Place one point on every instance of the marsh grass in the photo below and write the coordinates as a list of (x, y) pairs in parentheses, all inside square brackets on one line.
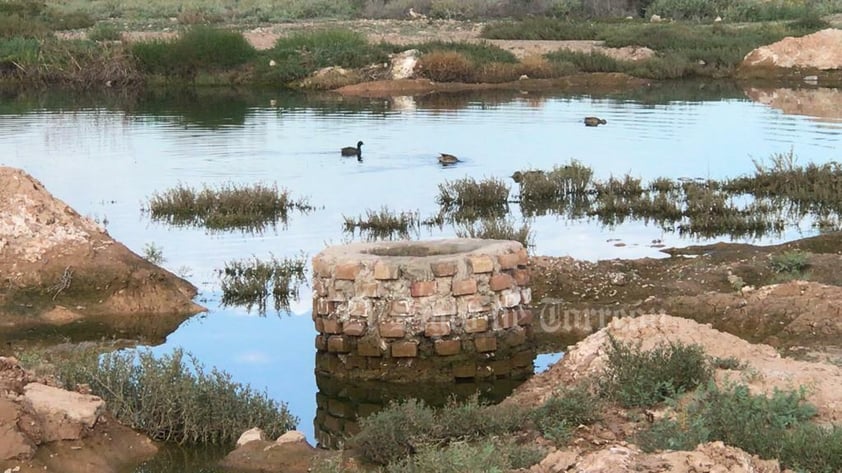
[(497, 229), (250, 283), (468, 199), (173, 398), (636, 378), (229, 206), (384, 224), (565, 410), (105, 32), (468, 62)]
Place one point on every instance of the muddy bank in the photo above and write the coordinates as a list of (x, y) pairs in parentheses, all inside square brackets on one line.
[(734, 287), (590, 83), (59, 269)]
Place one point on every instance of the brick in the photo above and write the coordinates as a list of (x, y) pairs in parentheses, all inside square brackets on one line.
[(347, 271), (369, 289), (478, 303), (404, 349), (523, 257), (443, 286), (339, 292), (353, 362), (339, 408), (508, 261), (481, 264), (332, 326), (485, 344), (501, 281), (515, 337), (523, 359), (464, 287), (392, 329), (383, 270), (358, 308), (443, 268), (444, 307), (524, 317), (338, 344), (322, 306), (401, 307), (448, 347), (437, 329), (320, 286), (321, 343), (333, 424), (500, 367), (369, 347), (522, 277), (465, 370), (509, 298), (366, 409), (354, 328), (476, 325), (526, 295), (422, 288), (506, 319), (351, 429), (320, 324), (321, 268)]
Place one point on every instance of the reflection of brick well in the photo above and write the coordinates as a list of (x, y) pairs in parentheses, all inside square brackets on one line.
[(409, 311)]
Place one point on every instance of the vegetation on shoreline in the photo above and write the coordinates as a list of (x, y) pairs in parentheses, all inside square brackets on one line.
[(251, 283), (410, 436), (172, 398)]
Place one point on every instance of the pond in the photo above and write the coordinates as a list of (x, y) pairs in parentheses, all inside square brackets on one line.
[(107, 155)]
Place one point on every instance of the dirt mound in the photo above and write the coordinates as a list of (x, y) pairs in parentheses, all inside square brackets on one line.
[(44, 428), (769, 371), (819, 50), (58, 267), (823, 103)]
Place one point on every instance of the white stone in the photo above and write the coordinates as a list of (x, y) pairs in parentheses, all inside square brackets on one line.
[(251, 435), (293, 436), (65, 414), (272, 63), (655, 19), (403, 64), (717, 19)]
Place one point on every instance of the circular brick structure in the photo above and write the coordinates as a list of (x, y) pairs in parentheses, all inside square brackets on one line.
[(409, 311)]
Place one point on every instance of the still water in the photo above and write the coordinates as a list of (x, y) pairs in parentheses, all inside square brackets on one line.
[(105, 156)]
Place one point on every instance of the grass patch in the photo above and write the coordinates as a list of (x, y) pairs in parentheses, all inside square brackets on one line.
[(497, 229), (251, 283), (226, 207), (470, 62), (384, 224), (776, 426), (636, 378), (173, 398), (486, 455), (200, 48), (393, 434), (468, 199), (567, 409), (790, 262), (105, 32)]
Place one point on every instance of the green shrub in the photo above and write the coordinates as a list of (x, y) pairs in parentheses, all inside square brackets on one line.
[(565, 410), (175, 400), (497, 229), (72, 20), (15, 26), (404, 428), (790, 262), (200, 48), (636, 378), (22, 8), (476, 53), (487, 455), (683, 9), (540, 29), (105, 32), (20, 50), (587, 62)]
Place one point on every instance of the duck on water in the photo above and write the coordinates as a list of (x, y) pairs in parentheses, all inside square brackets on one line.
[(447, 159), (354, 151)]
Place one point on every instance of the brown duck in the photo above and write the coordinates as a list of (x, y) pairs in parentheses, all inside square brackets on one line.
[(447, 159), (594, 121)]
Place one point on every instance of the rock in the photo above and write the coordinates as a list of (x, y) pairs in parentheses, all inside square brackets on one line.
[(13, 443), (402, 65), (819, 50), (63, 415), (251, 435), (556, 462), (655, 19), (272, 63), (47, 250), (812, 80), (717, 19), (292, 436), (265, 457)]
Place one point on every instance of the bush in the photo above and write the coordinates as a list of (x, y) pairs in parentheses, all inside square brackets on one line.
[(408, 427), (174, 400), (384, 224), (565, 410), (105, 32), (497, 229), (587, 62), (487, 455), (792, 262), (250, 283), (683, 9), (635, 378), (446, 66), (467, 199), (200, 48)]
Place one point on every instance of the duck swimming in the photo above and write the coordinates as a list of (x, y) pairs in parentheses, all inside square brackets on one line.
[(594, 121), (446, 159), (352, 151), (518, 176)]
